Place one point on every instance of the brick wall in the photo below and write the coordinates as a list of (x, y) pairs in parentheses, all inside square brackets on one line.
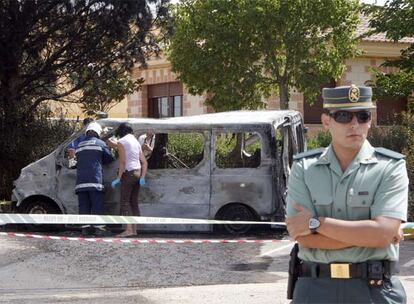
[(160, 72)]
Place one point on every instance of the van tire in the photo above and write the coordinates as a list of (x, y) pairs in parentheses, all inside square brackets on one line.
[(41, 207), (237, 212)]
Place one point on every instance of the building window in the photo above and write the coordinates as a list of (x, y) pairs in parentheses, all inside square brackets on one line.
[(166, 106), (165, 100), (178, 105)]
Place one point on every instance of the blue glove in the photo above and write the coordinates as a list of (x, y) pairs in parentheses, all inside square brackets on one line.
[(142, 181), (115, 183)]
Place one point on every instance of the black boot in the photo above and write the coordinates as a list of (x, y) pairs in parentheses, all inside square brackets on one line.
[(87, 230)]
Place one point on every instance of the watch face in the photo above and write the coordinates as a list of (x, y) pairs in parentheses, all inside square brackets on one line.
[(314, 223)]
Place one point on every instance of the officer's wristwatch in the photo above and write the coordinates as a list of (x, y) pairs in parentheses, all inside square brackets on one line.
[(314, 224)]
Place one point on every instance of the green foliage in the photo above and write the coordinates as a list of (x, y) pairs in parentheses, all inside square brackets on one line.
[(188, 147), (225, 144), (399, 84), (321, 139), (396, 20), (112, 87), (409, 152), (239, 51), (55, 49), (394, 137), (44, 136), (404, 136), (238, 150), (67, 51)]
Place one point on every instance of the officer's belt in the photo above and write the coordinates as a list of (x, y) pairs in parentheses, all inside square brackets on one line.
[(376, 270)]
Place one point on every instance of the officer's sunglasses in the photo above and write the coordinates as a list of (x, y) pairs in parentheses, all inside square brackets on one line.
[(345, 117)]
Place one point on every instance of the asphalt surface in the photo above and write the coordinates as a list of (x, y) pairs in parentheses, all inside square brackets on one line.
[(59, 271)]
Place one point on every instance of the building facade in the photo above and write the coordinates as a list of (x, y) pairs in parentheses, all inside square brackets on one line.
[(162, 95)]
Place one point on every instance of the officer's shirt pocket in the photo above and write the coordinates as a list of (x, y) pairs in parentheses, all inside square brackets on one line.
[(359, 205), (323, 205)]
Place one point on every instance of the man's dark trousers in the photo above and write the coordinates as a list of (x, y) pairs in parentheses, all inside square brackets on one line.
[(91, 202)]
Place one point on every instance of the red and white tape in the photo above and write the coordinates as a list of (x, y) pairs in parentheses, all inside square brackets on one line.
[(137, 241)]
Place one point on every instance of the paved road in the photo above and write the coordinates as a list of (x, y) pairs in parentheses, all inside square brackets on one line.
[(40, 271)]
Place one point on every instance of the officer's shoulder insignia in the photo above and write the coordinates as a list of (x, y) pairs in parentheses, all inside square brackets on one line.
[(389, 153), (311, 153)]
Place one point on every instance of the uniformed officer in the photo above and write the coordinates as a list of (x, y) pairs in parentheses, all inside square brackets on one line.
[(91, 153), (345, 205), (74, 144)]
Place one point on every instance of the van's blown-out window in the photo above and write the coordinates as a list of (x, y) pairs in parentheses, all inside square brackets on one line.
[(177, 150), (238, 150)]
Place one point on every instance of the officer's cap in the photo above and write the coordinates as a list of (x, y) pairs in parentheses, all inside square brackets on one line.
[(348, 98)]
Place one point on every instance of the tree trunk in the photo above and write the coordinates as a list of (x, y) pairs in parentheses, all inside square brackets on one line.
[(284, 96)]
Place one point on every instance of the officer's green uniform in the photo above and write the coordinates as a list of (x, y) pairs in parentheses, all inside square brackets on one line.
[(374, 184)]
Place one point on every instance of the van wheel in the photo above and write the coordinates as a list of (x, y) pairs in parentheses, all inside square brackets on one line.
[(42, 207), (237, 212)]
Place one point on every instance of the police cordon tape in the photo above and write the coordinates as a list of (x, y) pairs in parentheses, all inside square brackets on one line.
[(22, 218), (18, 218), (137, 241)]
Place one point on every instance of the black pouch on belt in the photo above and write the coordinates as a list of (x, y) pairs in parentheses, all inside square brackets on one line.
[(294, 268)]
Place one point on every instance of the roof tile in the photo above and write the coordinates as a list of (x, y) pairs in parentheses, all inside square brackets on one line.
[(363, 27)]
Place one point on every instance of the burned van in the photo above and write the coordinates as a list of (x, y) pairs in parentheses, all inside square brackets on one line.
[(230, 166)]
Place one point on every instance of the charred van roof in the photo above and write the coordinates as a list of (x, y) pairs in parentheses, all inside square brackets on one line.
[(227, 119)]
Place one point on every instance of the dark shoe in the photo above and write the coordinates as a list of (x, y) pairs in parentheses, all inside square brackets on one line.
[(102, 232), (87, 231)]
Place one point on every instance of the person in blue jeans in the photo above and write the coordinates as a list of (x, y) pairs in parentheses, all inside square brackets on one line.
[(91, 154)]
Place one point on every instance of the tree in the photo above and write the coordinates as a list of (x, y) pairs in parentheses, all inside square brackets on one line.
[(396, 20), (239, 51), (111, 90), (69, 51)]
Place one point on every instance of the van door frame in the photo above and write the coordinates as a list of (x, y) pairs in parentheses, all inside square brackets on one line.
[(171, 190), (290, 146), (259, 179)]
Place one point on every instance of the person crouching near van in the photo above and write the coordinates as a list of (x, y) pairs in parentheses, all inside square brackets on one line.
[(91, 154), (131, 174)]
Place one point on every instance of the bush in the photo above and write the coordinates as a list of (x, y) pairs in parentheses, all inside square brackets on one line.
[(38, 137), (321, 139), (224, 146), (238, 150), (188, 147), (399, 138)]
